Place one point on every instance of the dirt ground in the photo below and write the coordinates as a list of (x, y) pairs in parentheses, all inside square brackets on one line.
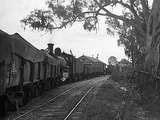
[(110, 102)]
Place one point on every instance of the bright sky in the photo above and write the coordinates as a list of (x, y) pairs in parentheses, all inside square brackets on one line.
[(74, 38)]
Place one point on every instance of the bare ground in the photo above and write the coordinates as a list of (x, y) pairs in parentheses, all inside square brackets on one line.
[(110, 102)]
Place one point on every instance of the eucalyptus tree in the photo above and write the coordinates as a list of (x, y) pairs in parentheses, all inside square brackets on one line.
[(130, 22), (134, 47), (152, 58)]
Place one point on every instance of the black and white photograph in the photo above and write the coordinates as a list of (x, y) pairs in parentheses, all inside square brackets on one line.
[(79, 59)]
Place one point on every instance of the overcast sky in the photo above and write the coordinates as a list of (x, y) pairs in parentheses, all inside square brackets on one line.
[(74, 38)]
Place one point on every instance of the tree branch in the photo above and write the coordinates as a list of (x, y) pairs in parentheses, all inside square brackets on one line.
[(131, 8), (108, 13), (145, 8), (136, 22), (74, 19)]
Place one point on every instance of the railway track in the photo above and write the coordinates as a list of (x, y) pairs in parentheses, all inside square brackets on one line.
[(79, 102), (30, 115), (49, 101)]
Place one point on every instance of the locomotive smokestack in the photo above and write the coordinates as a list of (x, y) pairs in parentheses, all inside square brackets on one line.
[(50, 48)]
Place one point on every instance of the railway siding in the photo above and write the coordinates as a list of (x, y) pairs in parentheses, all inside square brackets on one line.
[(77, 92), (43, 98)]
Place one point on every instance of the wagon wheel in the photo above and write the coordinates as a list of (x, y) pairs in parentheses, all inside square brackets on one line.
[(26, 96), (36, 91), (4, 106)]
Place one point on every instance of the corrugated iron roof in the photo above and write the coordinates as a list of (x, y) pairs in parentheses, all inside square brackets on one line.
[(91, 59), (18, 36), (15, 44), (2, 32)]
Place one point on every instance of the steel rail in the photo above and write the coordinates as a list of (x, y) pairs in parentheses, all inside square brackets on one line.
[(71, 111), (43, 104)]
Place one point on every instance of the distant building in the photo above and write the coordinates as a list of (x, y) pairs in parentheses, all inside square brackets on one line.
[(92, 65)]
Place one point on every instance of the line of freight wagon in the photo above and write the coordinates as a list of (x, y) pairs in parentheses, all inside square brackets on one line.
[(25, 71)]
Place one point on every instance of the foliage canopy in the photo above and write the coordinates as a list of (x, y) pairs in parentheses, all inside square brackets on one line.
[(130, 23)]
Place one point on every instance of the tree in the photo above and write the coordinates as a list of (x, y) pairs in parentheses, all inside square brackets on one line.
[(134, 47), (152, 59), (131, 24), (112, 60), (60, 13), (124, 61)]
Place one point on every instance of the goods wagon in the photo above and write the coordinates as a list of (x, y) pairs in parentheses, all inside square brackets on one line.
[(25, 71)]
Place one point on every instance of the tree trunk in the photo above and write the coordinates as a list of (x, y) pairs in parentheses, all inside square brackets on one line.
[(152, 42)]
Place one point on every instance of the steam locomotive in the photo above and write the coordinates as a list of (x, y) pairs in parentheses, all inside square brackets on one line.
[(25, 71)]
